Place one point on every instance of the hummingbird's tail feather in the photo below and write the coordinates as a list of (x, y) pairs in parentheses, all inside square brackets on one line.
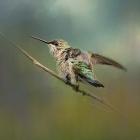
[(94, 83), (99, 59)]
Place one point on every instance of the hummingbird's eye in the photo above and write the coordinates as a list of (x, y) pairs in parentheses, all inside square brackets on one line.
[(55, 43)]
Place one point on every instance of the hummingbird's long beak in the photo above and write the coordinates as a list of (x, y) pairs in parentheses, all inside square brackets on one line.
[(42, 40)]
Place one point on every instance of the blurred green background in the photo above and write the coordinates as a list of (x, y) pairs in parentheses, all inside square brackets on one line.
[(36, 106)]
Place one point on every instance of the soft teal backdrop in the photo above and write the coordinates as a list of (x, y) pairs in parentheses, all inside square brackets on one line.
[(36, 106)]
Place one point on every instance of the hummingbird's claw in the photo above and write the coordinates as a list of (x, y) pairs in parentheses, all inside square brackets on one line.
[(67, 82), (76, 87)]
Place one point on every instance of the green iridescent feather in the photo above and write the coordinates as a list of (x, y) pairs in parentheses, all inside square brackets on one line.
[(83, 70)]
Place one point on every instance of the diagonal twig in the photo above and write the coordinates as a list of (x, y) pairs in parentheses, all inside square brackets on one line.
[(41, 66)]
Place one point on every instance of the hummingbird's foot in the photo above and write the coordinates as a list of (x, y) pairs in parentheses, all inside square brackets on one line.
[(76, 87), (67, 82)]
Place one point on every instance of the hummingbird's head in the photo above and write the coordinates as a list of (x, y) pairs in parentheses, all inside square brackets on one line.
[(58, 44), (54, 45)]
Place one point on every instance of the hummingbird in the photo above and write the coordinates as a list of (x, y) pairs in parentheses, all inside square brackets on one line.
[(75, 65)]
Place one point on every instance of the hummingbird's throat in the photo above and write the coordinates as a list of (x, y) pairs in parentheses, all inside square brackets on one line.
[(54, 51), (52, 48)]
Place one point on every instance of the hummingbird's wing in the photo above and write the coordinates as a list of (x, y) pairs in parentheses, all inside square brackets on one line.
[(99, 59), (85, 73)]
